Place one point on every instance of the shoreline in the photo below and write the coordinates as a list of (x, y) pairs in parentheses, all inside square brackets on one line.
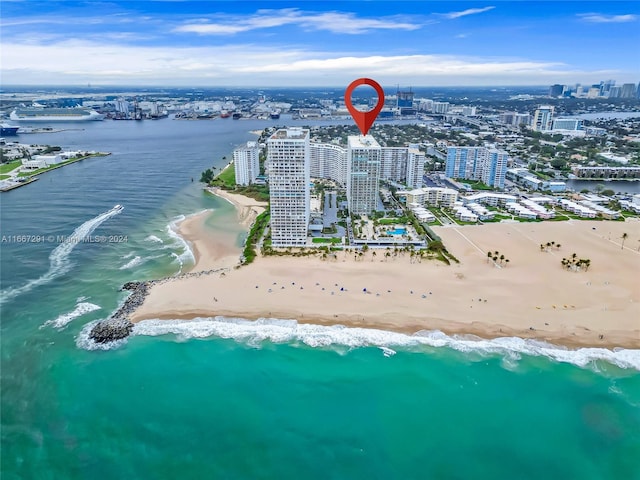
[(596, 308), (532, 297), (248, 208)]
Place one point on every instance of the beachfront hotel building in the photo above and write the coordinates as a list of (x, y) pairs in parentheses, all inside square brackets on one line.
[(363, 174), (246, 161), (477, 163), (289, 176)]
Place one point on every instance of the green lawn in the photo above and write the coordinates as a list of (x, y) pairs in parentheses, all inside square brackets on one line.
[(7, 167), (326, 240), (391, 221), (4, 177), (227, 177)]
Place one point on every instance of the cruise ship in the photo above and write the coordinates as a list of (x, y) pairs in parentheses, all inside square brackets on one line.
[(31, 114)]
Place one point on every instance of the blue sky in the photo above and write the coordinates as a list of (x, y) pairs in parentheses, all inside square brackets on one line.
[(318, 43)]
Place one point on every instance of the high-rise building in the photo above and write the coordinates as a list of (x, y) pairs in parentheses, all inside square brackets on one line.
[(522, 119), (543, 118), (556, 90), (289, 176), (628, 90), (441, 107), (405, 99), (246, 161), (393, 163), (477, 163), (462, 162), (415, 167), (328, 161), (494, 167), (567, 124), (363, 174)]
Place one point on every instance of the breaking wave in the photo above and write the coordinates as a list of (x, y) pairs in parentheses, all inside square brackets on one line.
[(254, 333), (63, 320), (153, 238), (134, 262)]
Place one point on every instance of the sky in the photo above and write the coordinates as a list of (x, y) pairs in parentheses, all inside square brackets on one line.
[(318, 43)]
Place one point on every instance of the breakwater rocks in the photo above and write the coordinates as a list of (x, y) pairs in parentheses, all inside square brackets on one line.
[(118, 325)]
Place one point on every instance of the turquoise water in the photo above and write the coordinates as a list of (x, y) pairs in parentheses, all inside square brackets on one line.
[(233, 399), (398, 231)]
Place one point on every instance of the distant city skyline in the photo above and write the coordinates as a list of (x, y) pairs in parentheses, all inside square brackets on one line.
[(196, 43)]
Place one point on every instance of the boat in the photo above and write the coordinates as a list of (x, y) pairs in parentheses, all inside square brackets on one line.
[(275, 115), (6, 129), (225, 114), (31, 114), (237, 116)]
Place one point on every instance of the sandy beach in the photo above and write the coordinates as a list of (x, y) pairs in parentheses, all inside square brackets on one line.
[(248, 208), (530, 297)]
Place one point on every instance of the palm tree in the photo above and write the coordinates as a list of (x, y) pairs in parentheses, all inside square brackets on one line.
[(541, 247), (495, 258), (548, 245), (624, 237), (587, 264), (489, 255), (501, 259), (373, 255), (558, 246), (506, 261)]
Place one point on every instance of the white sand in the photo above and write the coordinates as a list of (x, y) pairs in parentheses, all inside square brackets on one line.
[(532, 297)]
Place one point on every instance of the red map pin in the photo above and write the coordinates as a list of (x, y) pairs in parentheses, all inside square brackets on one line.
[(364, 120)]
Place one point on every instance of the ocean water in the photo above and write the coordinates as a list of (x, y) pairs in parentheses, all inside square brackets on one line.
[(228, 398)]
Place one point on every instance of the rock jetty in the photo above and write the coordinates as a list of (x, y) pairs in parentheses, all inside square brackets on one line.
[(118, 325)]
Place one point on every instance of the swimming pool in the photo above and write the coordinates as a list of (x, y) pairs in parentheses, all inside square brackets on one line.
[(398, 231)]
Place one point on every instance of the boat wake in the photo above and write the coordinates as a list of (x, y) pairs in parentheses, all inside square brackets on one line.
[(255, 333), (59, 262), (63, 320)]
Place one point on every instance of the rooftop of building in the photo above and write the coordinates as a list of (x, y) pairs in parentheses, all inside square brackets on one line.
[(290, 134), (360, 141)]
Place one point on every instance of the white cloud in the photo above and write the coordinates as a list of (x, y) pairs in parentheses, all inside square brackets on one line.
[(598, 18), (464, 13), (255, 65), (336, 22)]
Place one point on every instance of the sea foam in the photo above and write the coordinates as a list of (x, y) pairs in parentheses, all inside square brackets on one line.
[(85, 342), (254, 333), (134, 262), (153, 238), (59, 262), (63, 320)]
